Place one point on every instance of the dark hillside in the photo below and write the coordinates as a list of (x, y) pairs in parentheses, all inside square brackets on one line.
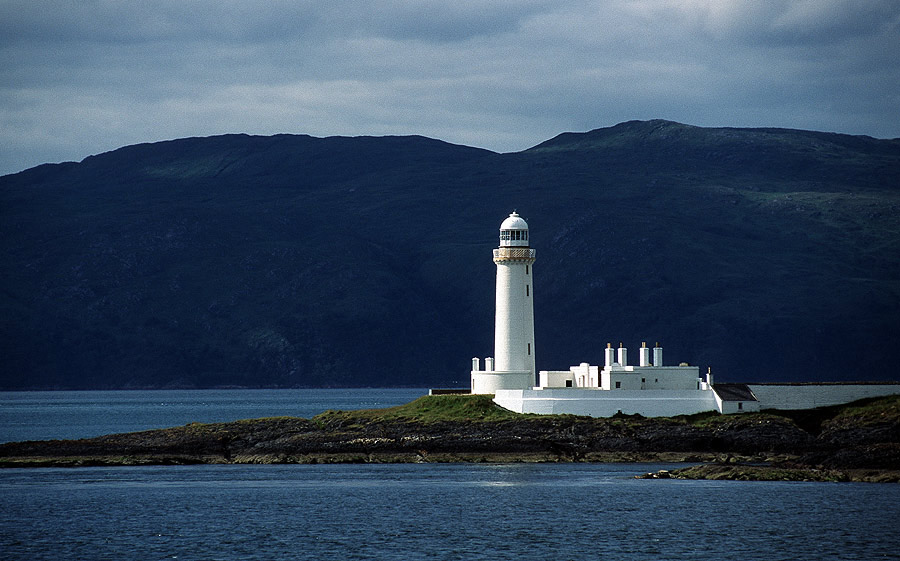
[(769, 254)]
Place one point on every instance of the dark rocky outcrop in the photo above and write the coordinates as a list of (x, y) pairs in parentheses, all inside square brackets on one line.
[(472, 428)]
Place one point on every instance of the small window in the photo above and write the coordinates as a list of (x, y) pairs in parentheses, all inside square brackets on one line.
[(643, 380), (568, 383), (618, 385), (529, 349), (526, 269), (527, 292), (740, 406)]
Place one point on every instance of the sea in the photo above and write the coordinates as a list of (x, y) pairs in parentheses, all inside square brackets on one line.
[(397, 511)]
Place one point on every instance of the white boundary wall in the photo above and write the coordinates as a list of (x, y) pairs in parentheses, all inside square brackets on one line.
[(601, 403), (809, 396)]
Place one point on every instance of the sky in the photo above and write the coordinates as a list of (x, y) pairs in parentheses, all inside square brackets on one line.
[(81, 77)]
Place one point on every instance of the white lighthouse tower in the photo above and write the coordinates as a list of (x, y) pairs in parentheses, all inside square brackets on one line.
[(513, 364)]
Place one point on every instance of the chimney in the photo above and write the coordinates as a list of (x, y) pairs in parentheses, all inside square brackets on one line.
[(645, 354), (610, 354)]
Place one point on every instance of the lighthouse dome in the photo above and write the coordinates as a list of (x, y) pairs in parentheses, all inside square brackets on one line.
[(514, 222), (514, 232)]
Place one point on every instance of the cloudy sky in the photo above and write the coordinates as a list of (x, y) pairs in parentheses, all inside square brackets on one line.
[(79, 77)]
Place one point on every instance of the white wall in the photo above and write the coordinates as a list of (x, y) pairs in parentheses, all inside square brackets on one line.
[(668, 377), (666, 403), (556, 378), (729, 407), (808, 396), (585, 376), (600, 403), (650, 377), (484, 382)]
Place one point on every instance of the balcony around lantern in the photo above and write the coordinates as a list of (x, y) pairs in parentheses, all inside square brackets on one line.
[(513, 254)]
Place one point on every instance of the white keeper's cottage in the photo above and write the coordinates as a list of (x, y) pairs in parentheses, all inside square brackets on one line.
[(648, 388)]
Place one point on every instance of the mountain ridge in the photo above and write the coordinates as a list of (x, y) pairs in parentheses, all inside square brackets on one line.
[(289, 260)]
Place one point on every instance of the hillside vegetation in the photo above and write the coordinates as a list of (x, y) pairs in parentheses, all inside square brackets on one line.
[(285, 261)]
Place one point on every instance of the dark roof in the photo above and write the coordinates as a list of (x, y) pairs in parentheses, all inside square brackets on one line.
[(734, 392)]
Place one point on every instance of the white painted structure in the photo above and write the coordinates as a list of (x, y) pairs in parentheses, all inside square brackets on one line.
[(650, 389), (810, 396), (599, 403), (513, 361)]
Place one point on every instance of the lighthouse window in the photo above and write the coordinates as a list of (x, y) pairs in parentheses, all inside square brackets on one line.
[(516, 233), (529, 349), (527, 293), (525, 235), (526, 269)]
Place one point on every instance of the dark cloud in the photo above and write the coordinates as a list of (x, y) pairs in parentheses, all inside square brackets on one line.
[(80, 77)]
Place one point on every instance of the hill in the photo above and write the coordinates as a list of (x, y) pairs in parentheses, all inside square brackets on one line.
[(236, 260)]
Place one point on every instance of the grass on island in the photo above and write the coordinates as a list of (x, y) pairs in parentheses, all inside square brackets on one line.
[(428, 409), (862, 413), (432, 408), (436, 408)]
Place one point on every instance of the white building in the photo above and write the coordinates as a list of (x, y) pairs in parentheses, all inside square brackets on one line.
[(512, 366), (649, 388)]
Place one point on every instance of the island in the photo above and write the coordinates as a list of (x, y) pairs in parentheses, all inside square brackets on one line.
[(855, 442)]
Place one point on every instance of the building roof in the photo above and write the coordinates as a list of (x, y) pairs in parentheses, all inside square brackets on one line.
[(514, 222), (734, 392)]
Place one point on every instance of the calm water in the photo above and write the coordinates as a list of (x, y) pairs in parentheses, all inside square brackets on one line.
[(48, 415), (397, 512), (425, 511)]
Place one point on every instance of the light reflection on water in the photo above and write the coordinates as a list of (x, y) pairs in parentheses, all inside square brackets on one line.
[(434, 511)]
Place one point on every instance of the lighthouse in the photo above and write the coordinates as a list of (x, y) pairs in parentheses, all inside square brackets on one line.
[(512, 366)]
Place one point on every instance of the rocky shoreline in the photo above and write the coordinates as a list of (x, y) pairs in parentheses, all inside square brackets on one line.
[(787, 471), (860, 442)]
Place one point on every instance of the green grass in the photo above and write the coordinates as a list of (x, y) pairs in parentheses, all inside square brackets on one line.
[(437, 408), (870, 411), (428, 409)]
